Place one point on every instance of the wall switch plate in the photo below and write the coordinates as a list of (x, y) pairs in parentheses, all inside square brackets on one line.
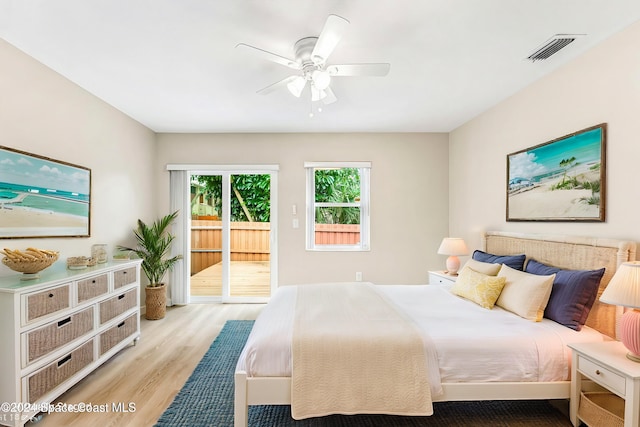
[(296, 223), (358, 276), (294, 209)]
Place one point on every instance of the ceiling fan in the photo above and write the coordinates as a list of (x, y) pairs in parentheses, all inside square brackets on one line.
[(310, 59)]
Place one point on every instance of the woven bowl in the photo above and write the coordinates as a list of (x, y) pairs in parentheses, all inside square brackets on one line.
[(30, 267)]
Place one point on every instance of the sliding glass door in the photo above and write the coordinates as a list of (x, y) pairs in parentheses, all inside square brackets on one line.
[(232, 256), (206, 236)]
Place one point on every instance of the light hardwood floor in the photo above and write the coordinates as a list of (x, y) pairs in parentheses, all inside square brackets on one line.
[(151, 373)]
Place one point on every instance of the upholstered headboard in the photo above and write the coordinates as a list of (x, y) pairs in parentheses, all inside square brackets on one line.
[(574, 253)]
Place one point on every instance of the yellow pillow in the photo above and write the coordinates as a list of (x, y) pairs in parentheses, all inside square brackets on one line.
[(480, 288)]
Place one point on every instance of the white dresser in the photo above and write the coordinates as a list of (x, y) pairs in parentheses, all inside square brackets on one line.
[(56, 329)]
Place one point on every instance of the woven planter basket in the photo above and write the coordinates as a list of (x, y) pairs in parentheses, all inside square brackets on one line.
[(156, 302)]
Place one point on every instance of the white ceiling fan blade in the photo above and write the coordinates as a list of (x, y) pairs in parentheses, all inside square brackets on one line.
[(277, 85), (330, 98), (331, 34), (381, 69), (270, 56)]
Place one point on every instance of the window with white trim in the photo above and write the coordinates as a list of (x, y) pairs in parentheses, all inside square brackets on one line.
[(338, 206)]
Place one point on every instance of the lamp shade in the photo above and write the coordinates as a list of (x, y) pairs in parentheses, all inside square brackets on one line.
[(624, 287), (453, 246)]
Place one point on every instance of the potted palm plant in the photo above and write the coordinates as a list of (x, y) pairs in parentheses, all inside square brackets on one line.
[(154, 242)]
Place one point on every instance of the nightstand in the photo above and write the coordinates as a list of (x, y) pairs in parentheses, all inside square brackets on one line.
[(606, 364), (441, 278)]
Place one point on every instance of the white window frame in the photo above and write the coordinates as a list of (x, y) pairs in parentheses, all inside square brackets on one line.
[(364, 204)]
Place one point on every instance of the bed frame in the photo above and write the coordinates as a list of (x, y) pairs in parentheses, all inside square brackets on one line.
[(569, 252)]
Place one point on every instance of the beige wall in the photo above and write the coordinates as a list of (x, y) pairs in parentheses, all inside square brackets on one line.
[(603, 85), (412, 205), (43, 113), (409, 196)]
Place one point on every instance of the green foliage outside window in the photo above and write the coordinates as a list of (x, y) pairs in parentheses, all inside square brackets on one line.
[(337, 186), (250, 195)]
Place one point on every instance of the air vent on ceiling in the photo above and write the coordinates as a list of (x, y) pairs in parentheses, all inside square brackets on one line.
[(553, 46)]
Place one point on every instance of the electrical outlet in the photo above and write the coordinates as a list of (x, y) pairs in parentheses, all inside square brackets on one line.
[(358, 276)]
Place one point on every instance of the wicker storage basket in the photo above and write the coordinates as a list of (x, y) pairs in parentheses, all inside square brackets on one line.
[(93, 287), (116, 334), (117, 305), (124, 277), (47, 338), (46, 379), (601, 409), (49, 301)]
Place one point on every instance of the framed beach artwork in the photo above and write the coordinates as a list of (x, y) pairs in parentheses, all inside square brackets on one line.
[(42, 197), (559, 180)]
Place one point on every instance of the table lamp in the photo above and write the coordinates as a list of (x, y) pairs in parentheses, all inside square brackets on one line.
[(453, 246), (624, 289)]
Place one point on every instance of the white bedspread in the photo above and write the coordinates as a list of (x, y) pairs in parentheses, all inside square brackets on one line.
[(473, 344)]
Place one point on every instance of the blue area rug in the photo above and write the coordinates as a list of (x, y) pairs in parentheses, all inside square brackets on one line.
[(207, 400)]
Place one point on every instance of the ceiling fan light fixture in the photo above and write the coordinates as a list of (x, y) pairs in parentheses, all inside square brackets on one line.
[(311, 55), (321, 79), (296, 86), (317, 94)]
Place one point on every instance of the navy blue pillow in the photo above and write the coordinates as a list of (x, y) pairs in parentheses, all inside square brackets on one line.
[(572, 295), (513, 261)]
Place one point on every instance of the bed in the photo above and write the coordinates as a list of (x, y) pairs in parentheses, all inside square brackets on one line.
[(270, 383)]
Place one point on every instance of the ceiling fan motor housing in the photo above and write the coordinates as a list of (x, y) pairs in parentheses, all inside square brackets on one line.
[(312, 67), (303, 50)]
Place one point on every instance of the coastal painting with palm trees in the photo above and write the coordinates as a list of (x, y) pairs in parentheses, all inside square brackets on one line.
[(560, 180)]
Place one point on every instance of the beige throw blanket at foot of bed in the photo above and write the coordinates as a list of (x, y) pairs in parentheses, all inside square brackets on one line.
[(353, 352)]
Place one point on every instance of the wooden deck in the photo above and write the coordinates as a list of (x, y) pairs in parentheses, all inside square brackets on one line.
[(248, 279)]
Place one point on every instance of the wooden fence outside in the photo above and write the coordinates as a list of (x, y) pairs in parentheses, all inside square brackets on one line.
[(250, 241), (337, 234)]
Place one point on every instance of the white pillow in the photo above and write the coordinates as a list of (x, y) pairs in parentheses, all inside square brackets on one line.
[(488, 268), (525, 294)]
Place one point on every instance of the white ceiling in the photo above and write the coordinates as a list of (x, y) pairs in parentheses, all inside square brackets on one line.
[(172, 64)]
